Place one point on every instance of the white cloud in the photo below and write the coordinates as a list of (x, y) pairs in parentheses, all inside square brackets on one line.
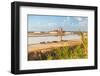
[(50, 24), (79, 18)]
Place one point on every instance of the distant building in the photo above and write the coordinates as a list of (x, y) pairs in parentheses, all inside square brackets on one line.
[(37, 32), (53, 32)]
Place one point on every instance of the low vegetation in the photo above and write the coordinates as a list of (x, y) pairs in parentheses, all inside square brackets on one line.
[(72, 52)]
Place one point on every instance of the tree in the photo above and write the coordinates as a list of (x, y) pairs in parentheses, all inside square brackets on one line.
[(60, 33)]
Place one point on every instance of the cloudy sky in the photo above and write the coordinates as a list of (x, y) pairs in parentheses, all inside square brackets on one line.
[(49, 23)]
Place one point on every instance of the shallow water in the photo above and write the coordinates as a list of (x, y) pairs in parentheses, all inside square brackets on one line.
[(35, 40)]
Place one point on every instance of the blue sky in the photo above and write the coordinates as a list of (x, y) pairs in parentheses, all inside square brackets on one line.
[(48, 23)]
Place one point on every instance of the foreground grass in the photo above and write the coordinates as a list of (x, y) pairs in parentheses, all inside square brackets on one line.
[(72, 52), (76, 52)]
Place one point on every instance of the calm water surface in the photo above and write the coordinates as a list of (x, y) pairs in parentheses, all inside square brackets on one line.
[(36, 40)]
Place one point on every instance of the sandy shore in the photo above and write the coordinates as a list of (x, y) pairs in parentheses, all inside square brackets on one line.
[(48, 46)]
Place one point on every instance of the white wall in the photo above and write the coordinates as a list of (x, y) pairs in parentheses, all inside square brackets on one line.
[(5, 41)]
